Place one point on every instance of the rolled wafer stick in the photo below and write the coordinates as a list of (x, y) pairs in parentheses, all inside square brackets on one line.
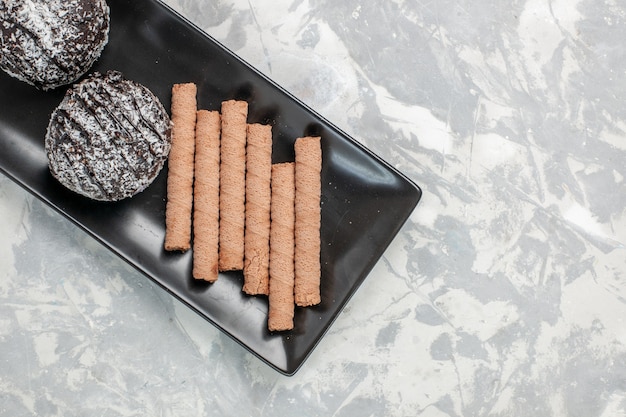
[(180, 168), (232, 185), (308, 156), (258, 196), (206, 196), (281, 299)]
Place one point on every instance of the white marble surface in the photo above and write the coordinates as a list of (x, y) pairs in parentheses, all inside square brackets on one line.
[(503, 295)]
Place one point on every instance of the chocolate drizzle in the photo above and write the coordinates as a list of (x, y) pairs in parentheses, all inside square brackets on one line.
[(109, 138), (49, 43)]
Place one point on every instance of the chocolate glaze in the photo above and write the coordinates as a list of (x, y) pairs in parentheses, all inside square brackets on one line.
[(50, 43), (109, 138)]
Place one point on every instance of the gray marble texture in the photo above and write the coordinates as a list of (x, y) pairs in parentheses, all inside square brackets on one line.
[(503, 295)]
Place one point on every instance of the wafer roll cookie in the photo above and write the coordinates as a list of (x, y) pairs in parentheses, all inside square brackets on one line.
[(308, 153), (258, 196), (281, 300), (206, 196), (232, 185), (180, 168)]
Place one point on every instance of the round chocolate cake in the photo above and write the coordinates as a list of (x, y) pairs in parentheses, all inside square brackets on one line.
[(109, 137), (50, 43)]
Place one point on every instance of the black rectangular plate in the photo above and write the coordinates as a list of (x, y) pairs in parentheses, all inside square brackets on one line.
[(364, 200)]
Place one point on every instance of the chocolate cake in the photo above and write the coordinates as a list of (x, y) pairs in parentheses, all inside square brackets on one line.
[(50, 43), (109, 137)]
